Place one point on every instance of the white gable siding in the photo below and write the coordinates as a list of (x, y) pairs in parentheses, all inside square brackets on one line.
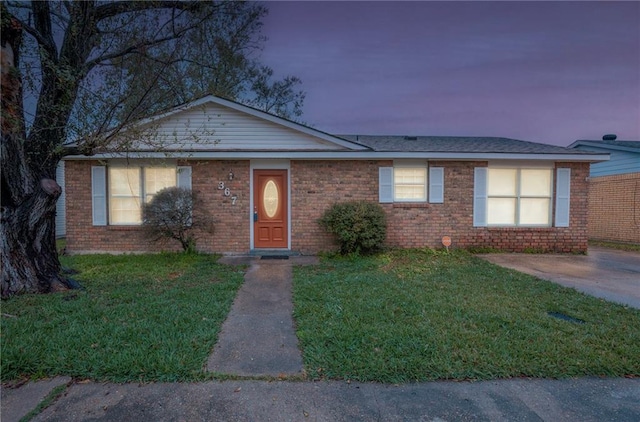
[(215, 127), (61, 228)]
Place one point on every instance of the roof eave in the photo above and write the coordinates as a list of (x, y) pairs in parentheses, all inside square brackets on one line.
[(345, 155), (596, 144)]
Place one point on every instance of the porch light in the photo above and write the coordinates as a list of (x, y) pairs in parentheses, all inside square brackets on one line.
[(230, 176)]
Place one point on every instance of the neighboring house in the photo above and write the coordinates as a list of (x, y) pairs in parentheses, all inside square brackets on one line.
[(614, 190), (267, 181)]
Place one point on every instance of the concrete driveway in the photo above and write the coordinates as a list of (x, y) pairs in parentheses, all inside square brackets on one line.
[(605, 273)]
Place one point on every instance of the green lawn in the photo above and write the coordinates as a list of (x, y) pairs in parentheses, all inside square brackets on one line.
[(425, 315), (402, 316), (141, 317)]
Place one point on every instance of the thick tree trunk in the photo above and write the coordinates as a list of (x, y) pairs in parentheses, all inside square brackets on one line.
[(27, 214), (28, 161), (29, 258)]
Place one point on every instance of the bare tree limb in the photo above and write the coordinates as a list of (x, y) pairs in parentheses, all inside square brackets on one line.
[(142, 45), (32, 31), (67, 5), (109, 10), (42, 23)]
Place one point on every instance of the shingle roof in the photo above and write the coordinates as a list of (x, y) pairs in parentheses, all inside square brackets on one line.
[(456, 144)]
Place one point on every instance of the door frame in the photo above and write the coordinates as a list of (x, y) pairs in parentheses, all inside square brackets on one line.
[(277, 164)]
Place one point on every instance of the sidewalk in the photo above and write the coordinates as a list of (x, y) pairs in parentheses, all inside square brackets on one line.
[(258, 339), (585, 399)]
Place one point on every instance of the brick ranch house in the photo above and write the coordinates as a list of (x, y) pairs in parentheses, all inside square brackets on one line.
[(267, 180)]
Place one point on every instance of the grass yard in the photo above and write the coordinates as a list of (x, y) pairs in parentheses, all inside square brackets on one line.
[(141, 318), (424, 315)]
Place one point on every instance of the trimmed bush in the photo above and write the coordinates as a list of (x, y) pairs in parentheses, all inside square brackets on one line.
[(359, 226), (175, 213)]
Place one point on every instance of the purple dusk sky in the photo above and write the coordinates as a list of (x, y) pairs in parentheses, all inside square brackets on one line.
[(549, 72)]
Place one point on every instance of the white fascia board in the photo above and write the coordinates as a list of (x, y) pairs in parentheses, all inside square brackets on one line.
[(345, 155)]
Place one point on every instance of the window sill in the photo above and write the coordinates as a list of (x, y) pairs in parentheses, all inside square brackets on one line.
[(522, 228), (125, 228), (410, 205)]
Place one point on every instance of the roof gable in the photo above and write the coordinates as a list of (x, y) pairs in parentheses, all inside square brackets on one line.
[(216, 124)]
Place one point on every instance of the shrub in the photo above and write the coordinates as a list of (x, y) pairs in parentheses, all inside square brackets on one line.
[(175, 213), (359, 226)]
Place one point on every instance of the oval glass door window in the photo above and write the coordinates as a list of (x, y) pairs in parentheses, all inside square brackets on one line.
[(270, 198)]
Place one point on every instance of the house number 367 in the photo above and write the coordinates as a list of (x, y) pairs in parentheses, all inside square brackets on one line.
[(227, 192)]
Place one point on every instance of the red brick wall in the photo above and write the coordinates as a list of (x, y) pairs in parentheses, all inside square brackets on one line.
[(614, 208), (231, 231), (318, 184), (420, 225), (572, 239), (315, 185)]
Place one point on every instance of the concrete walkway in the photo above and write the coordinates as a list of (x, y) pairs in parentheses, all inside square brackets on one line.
[(258, 337), (609, 274)]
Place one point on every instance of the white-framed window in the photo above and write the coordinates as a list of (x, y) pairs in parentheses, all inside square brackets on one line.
[(121, 189), (411, 182), (156, 179), (519, 196), (125, 193), (127, 187)]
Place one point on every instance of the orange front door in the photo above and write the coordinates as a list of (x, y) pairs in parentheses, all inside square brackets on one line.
[(270, 209)]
